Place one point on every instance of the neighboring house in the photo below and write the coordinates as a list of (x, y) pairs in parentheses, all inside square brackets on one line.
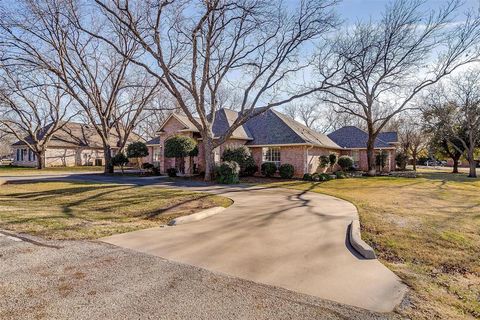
[(76, 144), (270, 136), (354, 142)]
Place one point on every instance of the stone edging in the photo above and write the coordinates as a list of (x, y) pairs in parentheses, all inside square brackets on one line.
[(196, 216), (356, 241)]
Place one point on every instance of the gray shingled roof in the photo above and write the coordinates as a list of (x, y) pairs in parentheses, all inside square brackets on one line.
[(390, 137), (273, 128), (353, 137), (154, 141), (224, 118)]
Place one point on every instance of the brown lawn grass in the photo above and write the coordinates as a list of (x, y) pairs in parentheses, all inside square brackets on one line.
[(19, 171), (72, 210), (426, 230)]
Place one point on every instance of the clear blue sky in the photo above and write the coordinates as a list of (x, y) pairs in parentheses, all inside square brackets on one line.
[(353, 10)]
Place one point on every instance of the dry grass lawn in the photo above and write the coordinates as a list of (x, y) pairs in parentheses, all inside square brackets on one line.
[(72, 210), (427, 230), (19, 171)]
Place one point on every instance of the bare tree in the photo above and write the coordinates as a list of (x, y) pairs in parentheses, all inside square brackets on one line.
[(251, 48), (390, 61), (308, 113), (455, 109), (110, 90), (33, 107), (412, 138)]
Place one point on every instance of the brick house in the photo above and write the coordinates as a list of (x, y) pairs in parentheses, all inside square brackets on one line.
[(270, 136), (354, 143), (75, 144)]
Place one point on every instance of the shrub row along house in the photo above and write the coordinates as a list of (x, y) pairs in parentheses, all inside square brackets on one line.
[(271, 137), (75, 144)]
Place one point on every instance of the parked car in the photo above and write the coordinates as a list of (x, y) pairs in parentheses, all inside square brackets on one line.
[(6, 162), (433, 163)]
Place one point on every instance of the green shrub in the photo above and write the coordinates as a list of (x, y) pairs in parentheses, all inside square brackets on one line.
[(137, 150), (333, 158), (180, 146), (286, 171), (307, 177), (172, 172), (324, 163), (243, 157), (345, 162), (227, 172), (340, 175), (147, 167), (156, 171), (119, 160), (324, 177), (268, 169)]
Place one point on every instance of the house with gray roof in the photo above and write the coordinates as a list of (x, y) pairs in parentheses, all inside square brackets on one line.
[(271, 137), (354, 142)]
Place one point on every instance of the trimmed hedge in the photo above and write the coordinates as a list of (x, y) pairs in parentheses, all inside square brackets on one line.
[(268, 169), (243, 157), (345, 162), (307, 177), (286, 171), (172, 172), (227, 172)]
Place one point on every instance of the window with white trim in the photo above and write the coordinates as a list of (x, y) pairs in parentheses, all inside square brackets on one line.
[(355, 157), (18, 155), (156, 153), (271, 154)]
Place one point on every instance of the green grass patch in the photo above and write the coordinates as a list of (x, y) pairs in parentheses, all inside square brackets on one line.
[(68, 210)]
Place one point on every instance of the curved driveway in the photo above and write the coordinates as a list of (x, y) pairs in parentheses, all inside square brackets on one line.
[(291, 239), (286, 238)]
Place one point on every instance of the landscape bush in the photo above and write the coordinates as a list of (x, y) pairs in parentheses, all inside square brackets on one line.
[(137, 150), (243, 157), (333, 158), (172, 172), (286, 171), (345, 162), (147, 166), (324, 163), (307, 177), (119, 160), (340, 175), (227, 172), (268, 169)]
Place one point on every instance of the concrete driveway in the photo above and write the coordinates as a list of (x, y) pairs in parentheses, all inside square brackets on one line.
[(286, 238), (290, 239)]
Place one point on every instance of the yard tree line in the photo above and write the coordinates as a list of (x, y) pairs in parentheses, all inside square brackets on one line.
[(122, 65)]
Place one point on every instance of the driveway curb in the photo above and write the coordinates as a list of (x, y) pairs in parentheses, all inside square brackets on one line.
[(356, 241), (196, 216)]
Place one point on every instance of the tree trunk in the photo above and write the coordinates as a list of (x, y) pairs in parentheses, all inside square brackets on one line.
[(209, 158), (473, 164), (372, 170), (414, 159), (455, 164), (107, 154), (40, 160)]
